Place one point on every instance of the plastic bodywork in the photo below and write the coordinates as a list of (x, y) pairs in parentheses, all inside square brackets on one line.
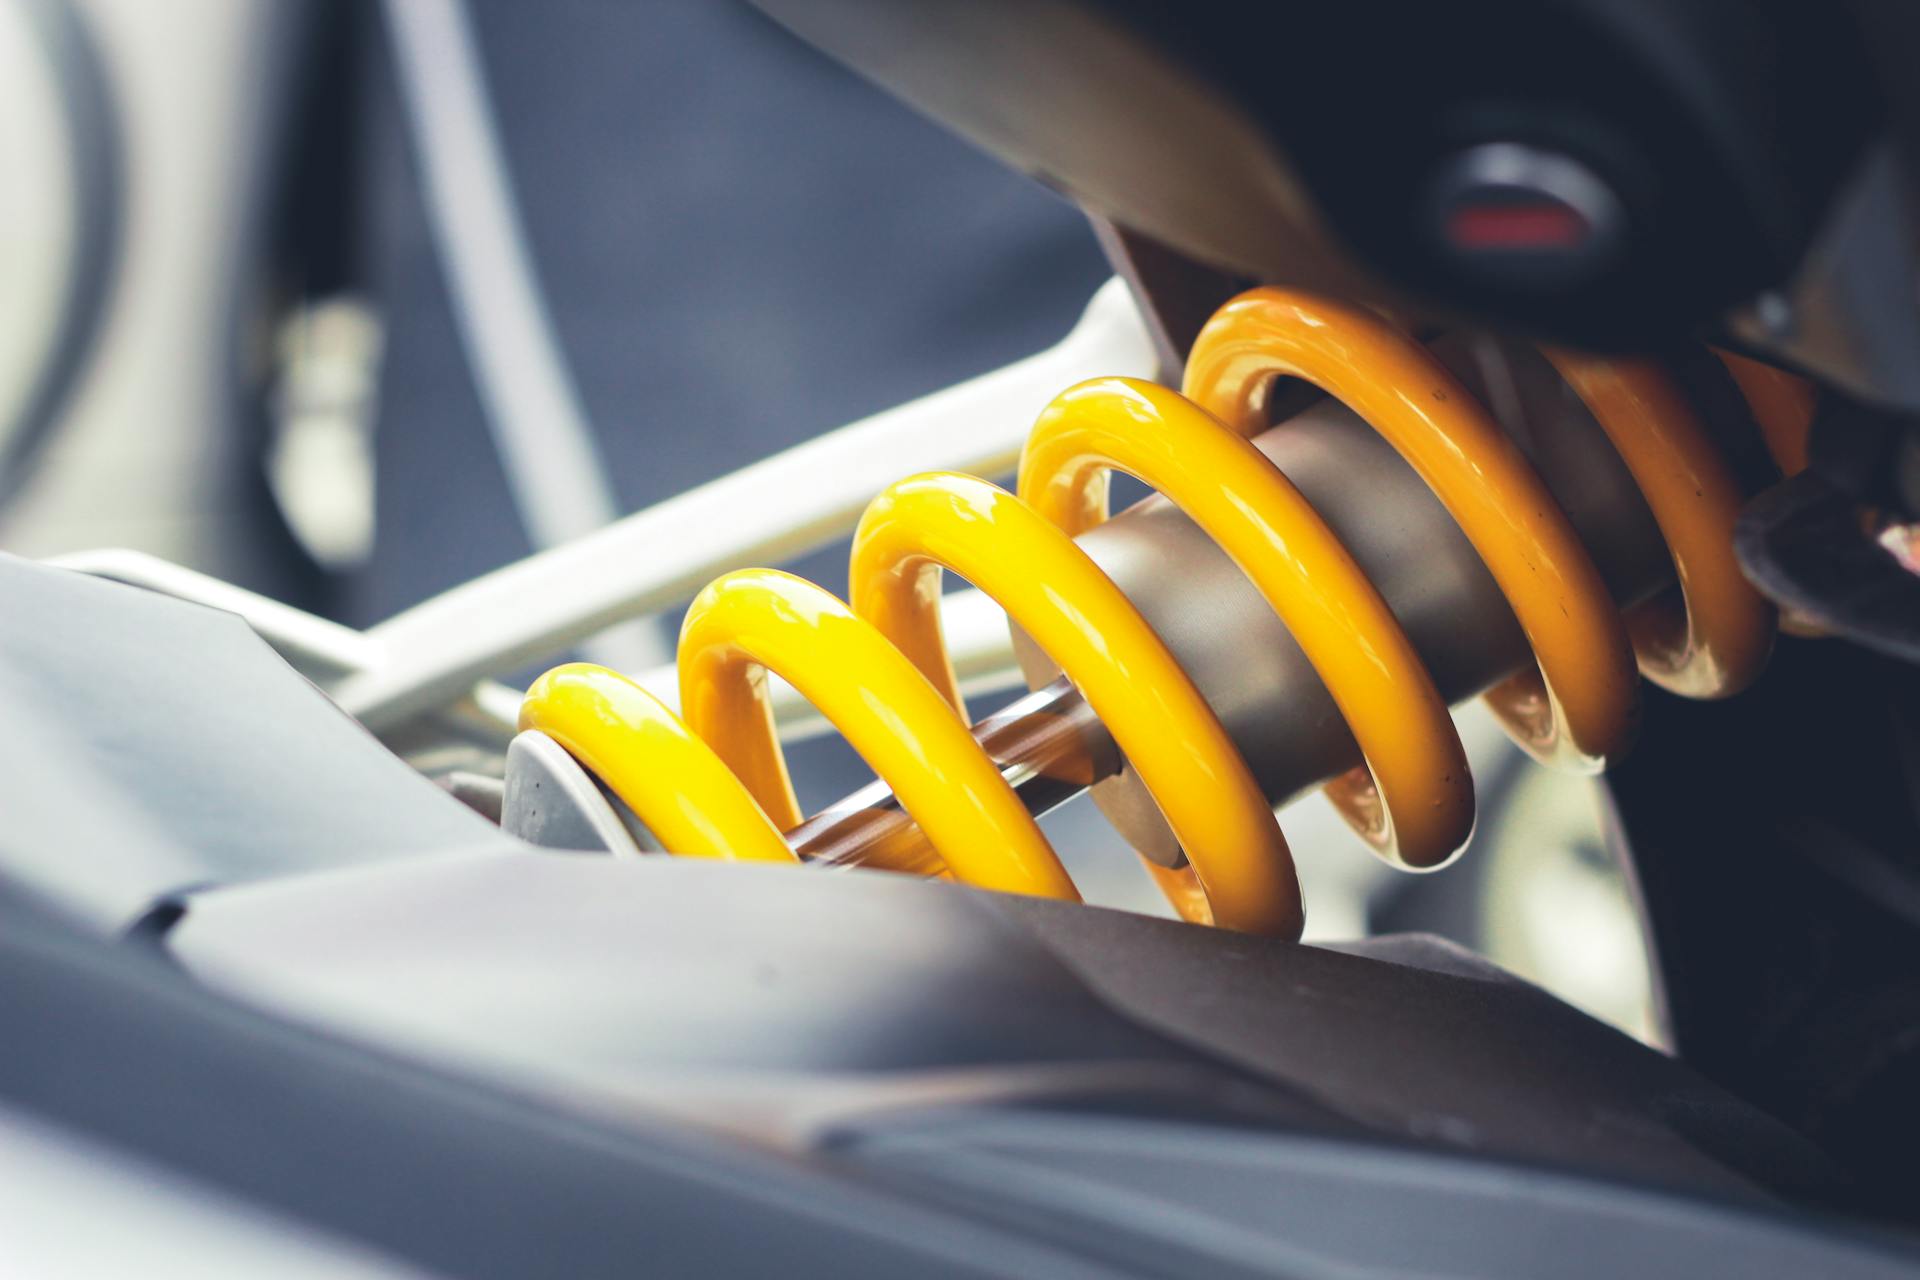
[(404, 1028)]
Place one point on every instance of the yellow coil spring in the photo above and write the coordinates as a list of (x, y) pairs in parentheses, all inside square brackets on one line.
[(715, 784)]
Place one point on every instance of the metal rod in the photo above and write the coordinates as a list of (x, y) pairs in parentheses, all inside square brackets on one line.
[(1049, 745)]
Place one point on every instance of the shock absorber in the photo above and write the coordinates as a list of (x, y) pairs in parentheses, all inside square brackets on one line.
[(1298, 606)]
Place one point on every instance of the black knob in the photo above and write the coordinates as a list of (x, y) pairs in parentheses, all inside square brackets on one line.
[(1524, 217)]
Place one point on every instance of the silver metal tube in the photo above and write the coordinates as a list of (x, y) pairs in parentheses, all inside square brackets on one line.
[(1049, 745), (1242, 658)]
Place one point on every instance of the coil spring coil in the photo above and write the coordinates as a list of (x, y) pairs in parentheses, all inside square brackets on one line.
[(715, 784)]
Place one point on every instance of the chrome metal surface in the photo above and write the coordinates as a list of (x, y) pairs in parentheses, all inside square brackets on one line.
[(1049, 746)]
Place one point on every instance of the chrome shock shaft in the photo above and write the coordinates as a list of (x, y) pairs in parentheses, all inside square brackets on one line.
[(1050, 747)]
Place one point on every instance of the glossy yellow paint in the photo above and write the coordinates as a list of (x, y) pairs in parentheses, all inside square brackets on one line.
[(1580, 709), (1075, 613), (1414, 799), (747, 623), (673, 782), (1715, 638), (1782, 405)]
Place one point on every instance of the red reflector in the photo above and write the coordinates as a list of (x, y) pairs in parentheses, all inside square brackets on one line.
[(1516, 226)]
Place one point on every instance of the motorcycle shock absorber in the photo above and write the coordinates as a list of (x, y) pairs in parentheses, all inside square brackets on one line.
[(1299, 605)]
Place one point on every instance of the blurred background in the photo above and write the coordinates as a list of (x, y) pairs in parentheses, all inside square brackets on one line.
[(282, 275)]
